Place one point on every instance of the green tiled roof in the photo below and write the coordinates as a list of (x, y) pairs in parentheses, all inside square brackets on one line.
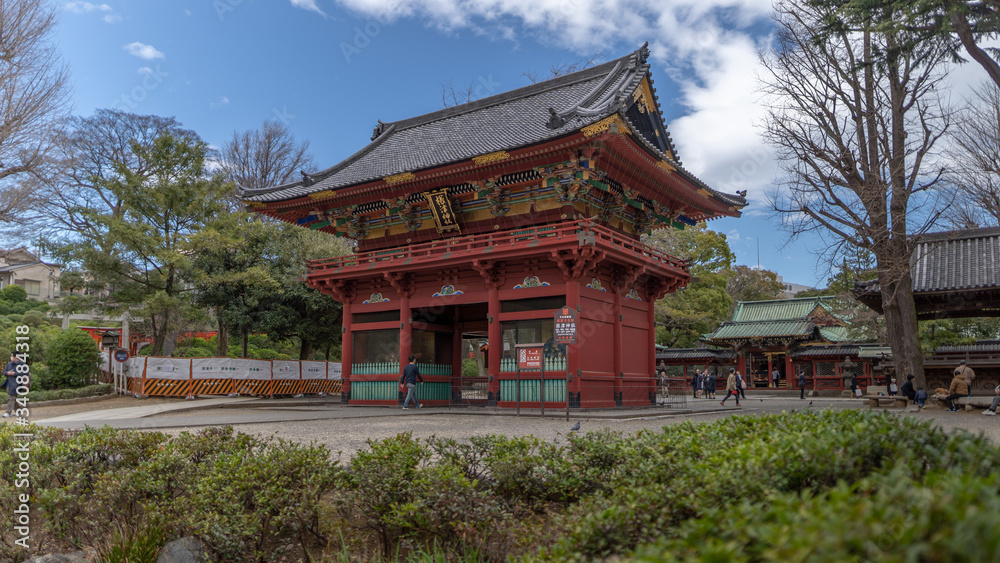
[(764, 329), (778, 309), (834, 333)]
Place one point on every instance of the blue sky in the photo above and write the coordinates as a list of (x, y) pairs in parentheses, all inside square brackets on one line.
[(329, 69)]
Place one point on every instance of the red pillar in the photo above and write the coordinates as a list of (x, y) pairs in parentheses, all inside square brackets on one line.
[(573, 350), (405, 334), (617, 347), (346, 353), (456, 363), (495, 342), (651, 316)]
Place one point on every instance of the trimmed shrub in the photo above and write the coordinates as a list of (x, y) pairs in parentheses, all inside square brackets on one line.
[(34, 318), (14, 293), (73, 359)]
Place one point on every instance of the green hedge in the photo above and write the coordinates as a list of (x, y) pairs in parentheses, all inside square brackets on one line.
[(35, 396), (816, 486)]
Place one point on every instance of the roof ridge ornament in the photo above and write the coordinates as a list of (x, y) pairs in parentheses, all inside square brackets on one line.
[(643, 53), (379, 129), (307, 180)]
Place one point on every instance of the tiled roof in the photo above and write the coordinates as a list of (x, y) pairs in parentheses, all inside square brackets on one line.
[(11, 267), (707, 354), (834, 333), (777, 309), (981, 346), (859, 350), (824, 351), (966, 259), (764, 329), (522, 117)]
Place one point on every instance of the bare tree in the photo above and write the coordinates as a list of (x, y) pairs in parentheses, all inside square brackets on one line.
[(556, 71), (452, 95), (976, 158), (854, 133), (33, 94), (455, 96), (265, 157)]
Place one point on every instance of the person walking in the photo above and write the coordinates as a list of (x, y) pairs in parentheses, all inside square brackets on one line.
[(957, 389), (731, 388), (10, 383), (710, 387), (775, 375), (802, 384), (741, 384), (411, 375), (967, 373)]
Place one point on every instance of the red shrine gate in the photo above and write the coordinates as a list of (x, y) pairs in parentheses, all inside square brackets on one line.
[(486, 218), (421, 300)]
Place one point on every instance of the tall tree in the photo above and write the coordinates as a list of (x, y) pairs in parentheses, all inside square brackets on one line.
[(753, 284), (854, 114), (976, 161), (956, 25), (143, 256), (239, 263), (91, 155), (33, 91), (684, 316)]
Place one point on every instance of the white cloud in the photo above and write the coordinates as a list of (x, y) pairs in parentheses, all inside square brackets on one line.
[(84, 7), (143, 51), (112, 18), (308, 5), (221, 101), (187, 12), (144, 70), (708, 47)]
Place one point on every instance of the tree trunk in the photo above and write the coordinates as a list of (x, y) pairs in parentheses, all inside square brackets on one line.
[(160, 334), (246, 340), (306, 350), (222, 342), (478, 355), (901, 329)]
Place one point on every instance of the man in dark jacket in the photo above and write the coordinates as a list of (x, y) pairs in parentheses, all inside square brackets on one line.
[(411, 375), (802, 384), (10, 383), (907, 389)]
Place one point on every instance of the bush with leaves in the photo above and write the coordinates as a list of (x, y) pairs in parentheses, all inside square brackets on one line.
[(73, 359)]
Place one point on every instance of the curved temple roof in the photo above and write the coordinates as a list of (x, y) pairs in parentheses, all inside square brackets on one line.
[(519, 118)]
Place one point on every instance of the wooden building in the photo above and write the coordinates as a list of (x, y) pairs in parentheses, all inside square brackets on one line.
[(956, 274), (784, 334), (485, 218)]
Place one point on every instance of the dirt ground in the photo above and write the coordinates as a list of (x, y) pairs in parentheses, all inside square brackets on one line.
[(53, 409)]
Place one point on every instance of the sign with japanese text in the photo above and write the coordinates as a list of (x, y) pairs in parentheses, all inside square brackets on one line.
[(565, 326), (440, 206), (529, 358)]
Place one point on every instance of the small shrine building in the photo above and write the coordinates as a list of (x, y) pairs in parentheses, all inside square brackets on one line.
[(485, 218), (789, 335)]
